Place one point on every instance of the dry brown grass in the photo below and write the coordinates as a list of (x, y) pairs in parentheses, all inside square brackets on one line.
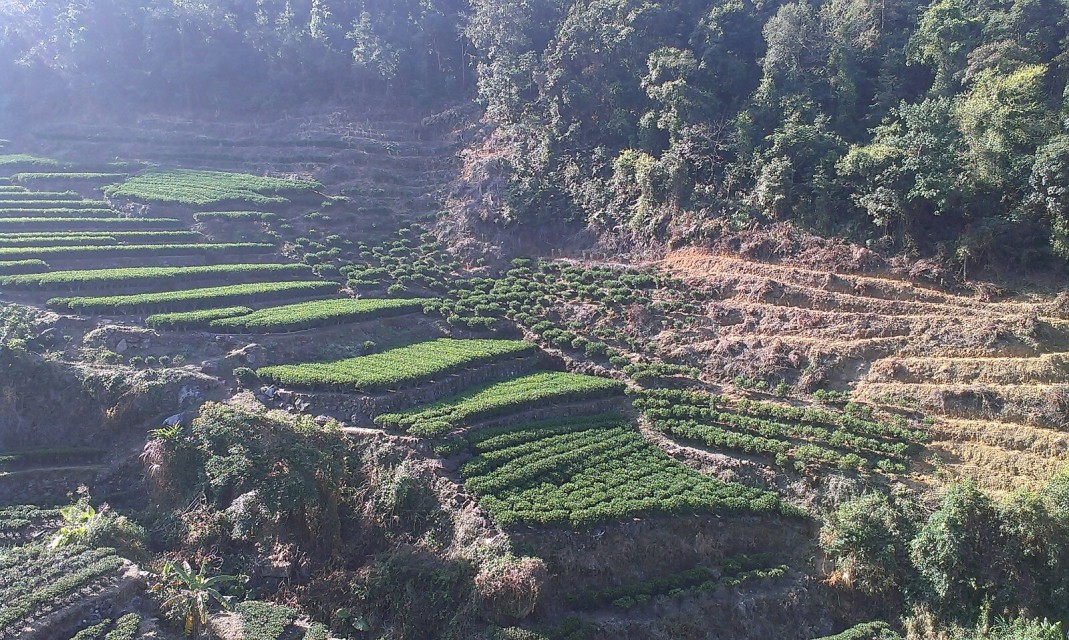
[(994, 375)]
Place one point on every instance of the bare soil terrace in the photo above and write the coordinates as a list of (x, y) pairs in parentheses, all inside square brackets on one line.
[(993, 375)]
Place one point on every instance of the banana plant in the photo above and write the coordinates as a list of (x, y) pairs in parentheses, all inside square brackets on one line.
[(79, 519), (190, 595)]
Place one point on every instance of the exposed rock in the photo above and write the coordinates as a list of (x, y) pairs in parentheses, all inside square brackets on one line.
[(251, 354), (119, 338), (190, 396), (176, 419)]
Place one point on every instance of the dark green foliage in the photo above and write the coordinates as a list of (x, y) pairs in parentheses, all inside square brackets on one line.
[(877, 630), (247, 377), (126, 628), (960, 551), (419, 592), (233, 455), (263, 620), (970, 557), (921, 121), (869, 537)]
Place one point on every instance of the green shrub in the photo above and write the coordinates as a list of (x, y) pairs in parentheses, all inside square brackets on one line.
[(866, 631), (246, 377)]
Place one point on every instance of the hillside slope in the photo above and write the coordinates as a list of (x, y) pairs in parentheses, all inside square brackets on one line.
[(565, 446)]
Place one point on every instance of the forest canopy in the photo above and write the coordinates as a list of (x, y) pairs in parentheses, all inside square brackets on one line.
[(939, 125)]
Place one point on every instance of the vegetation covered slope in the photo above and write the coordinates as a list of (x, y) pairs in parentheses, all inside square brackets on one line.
[(470, 466), (936, 126)]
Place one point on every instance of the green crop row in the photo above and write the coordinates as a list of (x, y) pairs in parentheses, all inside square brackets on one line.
[(57, 212), (318, 313), (57, 239), (775, 429), (390, 369), (12, 267), (125, 236), (29, 176), (850, 422), (190, 299), (261, 216), (598, 469), (719, 438), (185, 320), (844, 420), (140, 276), (93, 632), (228, 248), (877, 630), (265, 621), (500, 398), (80, 223), (200, 188), (47, 455), (12, 159), (54, 204), (766, 442), (17, 518), (50, 196), (15, 583), (16, 609), (640, 372), (125, 628), (733, 571)]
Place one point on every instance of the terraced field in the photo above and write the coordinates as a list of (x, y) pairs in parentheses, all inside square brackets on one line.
[(46, 591), (992, 374), (557, 395), (490, 388)]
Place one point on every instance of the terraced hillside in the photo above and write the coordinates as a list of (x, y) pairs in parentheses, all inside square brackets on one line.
[(675, 425), (534, 445), (990, 373)]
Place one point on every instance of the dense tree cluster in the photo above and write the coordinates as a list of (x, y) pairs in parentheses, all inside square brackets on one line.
[(226, 53), (934, 124), (969, 558)]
